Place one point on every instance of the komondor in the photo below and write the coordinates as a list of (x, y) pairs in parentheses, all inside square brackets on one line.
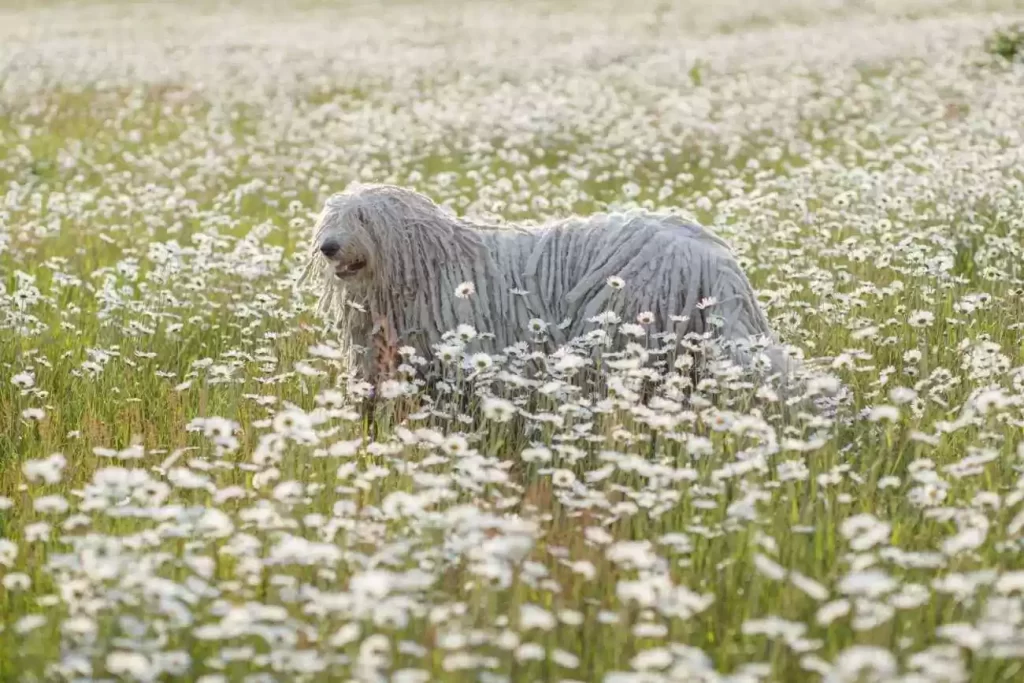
[(392, 262)]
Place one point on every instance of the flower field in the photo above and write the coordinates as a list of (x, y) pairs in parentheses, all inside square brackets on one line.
[(194, 486)]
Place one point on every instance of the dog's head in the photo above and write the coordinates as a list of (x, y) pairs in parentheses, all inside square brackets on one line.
[(385, 236), (343, 237)]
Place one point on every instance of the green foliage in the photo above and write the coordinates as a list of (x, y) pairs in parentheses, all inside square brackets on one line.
[(1007, 42)]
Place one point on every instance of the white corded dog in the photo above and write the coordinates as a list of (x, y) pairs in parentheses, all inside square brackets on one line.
[(391, 261)]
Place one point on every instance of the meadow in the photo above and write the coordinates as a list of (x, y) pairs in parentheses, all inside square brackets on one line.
[(190, 486)]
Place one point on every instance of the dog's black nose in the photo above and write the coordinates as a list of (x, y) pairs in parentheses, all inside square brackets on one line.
[(329, 248)]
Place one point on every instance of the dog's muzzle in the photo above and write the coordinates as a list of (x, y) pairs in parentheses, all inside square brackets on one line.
[(330, 249)]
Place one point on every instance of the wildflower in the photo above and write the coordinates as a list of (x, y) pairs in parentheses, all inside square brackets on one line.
[(563, 478), (49, 470), (870, 583), (822, 385), (53, 504), (215, 524), (597, 535), (23, 380), (868, 332), (498, 409), (615, 282), (769, 567), (706, 302), (326, 351), (570, 617), (902, 395), (564, 659), (33, 414), (8, 552), (449, 353), (808, 585), (654, 659), (650, 630), (774, 627), (991, 400), (465, 290), (530, 652), (698, 446), (683, 362), (865, 662), (17, 582), (636, 554), (928, 495), (921, 318), (537, 326), (391, 389), (29, 623), (606, 318), (455, 444), (532, 616), (345, 635), (184, 478), (884, 412), (480, 361), (793, 470), (569, 362), (864, 531), (128, 664), (912, 357), (536, 454), (293, 423)]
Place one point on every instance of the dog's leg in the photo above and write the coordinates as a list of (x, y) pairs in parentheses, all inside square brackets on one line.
[(385, 348), (385, 361)]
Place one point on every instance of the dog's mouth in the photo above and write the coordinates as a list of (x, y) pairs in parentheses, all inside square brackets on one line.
[(345, 270)]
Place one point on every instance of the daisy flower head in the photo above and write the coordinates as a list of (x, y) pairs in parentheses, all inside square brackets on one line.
[(498, 409), (902, 395), (606, 318), (633, 330), (884, 412), (465, 290), (449, 353), (921, 318), (392, 389), (33, 414), (706, 302), (292, 422), (563, 477), (615, 282), (456, 444), (481, 361)]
